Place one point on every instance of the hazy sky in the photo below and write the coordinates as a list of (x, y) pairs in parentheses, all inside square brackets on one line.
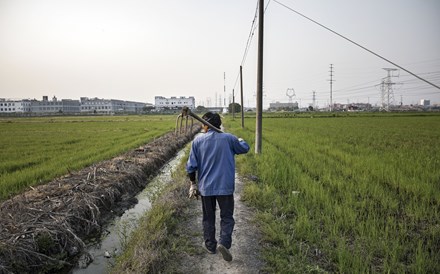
[(135, 50)]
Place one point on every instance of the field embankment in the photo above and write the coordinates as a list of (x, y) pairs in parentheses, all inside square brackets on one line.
[(44, 228)]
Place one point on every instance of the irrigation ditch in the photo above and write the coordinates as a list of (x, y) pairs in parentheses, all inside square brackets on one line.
[(46, 228)]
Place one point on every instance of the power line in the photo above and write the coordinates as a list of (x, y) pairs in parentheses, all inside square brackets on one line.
[(251, 35), (425, 61), (357, 44), (353, 87), (249, 41), (355, 91)]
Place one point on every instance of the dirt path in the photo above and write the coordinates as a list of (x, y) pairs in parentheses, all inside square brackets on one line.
[(245, 242)]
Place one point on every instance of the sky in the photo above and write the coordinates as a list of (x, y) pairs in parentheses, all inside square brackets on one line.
[(137, 49)]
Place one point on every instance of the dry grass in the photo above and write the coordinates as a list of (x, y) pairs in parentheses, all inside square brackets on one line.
[(44, 229)]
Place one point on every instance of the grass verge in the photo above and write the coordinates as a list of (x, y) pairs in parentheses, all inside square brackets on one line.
[(152, 245)]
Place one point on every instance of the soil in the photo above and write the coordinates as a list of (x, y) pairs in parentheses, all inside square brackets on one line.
[(45, 229), (245, 247)]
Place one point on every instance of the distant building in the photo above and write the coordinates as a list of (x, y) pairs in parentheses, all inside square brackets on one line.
[(425, 103), (357, 107), (54, 106), (214, 109), (15, 106), (283, 106), (109, 106), (68, 106), (174, 102)]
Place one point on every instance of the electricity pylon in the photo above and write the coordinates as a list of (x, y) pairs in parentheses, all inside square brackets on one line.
[(387, 94)]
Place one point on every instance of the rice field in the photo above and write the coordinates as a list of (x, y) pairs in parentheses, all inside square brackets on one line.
[(351, 194), (35, 150), (346, 194)]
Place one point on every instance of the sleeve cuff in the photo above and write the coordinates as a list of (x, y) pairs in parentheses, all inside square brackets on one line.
[(192, 176)]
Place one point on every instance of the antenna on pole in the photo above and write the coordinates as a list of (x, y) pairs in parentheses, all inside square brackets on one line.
[(290, 92), (224, 92)]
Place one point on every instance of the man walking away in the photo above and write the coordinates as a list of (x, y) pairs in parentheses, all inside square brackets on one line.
[(212, 157)]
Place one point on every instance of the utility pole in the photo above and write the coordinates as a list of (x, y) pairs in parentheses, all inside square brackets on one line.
[(233, 105), (314, 100), (259, 115), (331, 87), (242, 104)]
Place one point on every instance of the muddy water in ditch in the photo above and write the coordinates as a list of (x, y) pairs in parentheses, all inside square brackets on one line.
[(100, 256)]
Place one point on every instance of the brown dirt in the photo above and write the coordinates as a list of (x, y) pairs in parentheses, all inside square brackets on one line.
[(44, 229), (246, 242)]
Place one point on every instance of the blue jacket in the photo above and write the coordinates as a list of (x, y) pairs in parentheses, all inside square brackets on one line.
[(212, 156)]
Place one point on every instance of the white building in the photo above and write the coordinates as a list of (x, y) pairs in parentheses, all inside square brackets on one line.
[(15, 106), (68, 106), (278, 106), (54, 106), (425, 103), (174, 102), (109, 106)]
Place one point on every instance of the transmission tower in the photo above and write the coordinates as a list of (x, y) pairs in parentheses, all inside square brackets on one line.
[(387, 94), (331, 87), (290, 93), (224, 89)]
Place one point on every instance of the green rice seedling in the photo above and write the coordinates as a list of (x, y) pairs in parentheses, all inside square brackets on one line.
[(35, 150), (366, 191)]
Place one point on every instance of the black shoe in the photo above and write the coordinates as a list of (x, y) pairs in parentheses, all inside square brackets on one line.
[(225, 253), (207, 250)]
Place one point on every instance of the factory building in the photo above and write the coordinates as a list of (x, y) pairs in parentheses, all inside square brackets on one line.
[(109, 106), (283, 106), (15, 106), (425, 103), (67, 106), (161, 102), (54, 106)]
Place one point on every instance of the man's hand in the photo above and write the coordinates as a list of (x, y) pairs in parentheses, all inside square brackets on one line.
[(193, 191)]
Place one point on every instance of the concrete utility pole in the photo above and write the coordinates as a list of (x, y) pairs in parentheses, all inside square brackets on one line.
[(259, 124), (331, 87), (242, 104), (314, 100), (233, 105), (387, 94)]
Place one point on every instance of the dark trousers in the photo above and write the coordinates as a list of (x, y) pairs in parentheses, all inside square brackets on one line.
[(226, 204)]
